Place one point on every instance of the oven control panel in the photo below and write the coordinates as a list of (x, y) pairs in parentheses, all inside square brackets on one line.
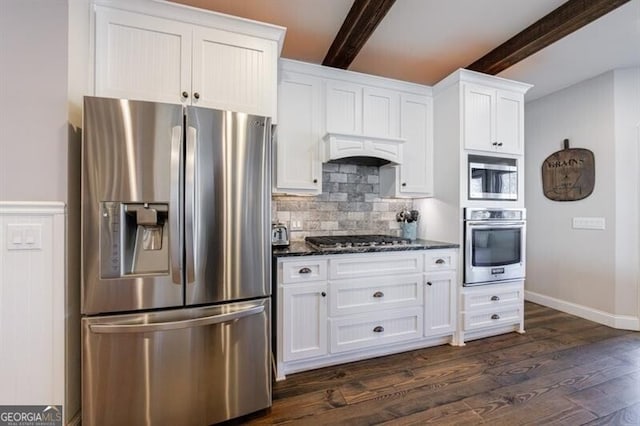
[(495, 214)]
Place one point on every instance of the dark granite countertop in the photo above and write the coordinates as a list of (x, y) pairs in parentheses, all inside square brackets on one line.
[(303, 249)]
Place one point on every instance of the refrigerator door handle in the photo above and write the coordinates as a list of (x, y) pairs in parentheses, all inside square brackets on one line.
[(174, 205), (176, 325), (190, 188)]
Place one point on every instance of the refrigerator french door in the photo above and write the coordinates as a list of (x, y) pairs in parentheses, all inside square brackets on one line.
[(175, 263)]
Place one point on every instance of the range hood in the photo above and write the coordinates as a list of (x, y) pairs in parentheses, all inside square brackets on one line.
[(362, 149)]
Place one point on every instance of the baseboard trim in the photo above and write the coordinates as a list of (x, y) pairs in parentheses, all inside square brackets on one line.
[(623, 322)]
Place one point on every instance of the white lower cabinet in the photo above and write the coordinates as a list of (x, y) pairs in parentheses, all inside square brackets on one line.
[(439, 303), (347, 307), (305, 320), (379, 328), (488, 310)]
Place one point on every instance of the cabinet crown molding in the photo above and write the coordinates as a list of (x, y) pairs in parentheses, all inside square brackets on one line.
[(194, 15), (466, 76)]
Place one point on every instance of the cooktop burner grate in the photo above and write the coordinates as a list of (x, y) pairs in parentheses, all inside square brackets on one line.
[(353, 241)]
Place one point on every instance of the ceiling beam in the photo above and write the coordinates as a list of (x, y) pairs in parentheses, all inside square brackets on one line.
[(361, 21), (570, 16)]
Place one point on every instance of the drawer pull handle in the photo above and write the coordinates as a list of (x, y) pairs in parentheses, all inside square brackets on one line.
[(378, 329), (429, 283), (304, 270), (378, 294), (439, 261), (495, 298), (495, 317), (323, 294)]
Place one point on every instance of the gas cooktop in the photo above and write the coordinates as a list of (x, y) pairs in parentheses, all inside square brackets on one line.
[(355, 241)]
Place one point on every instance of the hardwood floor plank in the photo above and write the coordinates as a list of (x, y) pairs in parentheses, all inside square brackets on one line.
[(455, 413), (627, 416), (499, 402), (610, 396)]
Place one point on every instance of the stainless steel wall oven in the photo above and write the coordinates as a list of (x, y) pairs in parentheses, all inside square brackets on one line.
[(494, 247)]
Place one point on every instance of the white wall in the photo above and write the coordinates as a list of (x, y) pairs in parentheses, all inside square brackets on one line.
[(589, 272), (33, 100), (627, 154)]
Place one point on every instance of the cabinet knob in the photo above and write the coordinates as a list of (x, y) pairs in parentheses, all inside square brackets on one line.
[(404, 183), (495, 298), (439, 261), (196, 95), (495, 317), (378, 294), (378, 329), (495, 144), (500, 144), (185, 95), (323, 294), (429, 283), (315, 181), (304, 270)]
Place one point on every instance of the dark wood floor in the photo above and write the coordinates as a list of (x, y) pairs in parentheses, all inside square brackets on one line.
[(563, 371)]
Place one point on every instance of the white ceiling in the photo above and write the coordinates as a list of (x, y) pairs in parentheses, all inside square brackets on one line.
[(424, 40)]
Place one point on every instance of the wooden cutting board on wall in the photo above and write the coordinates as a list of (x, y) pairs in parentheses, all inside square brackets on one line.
[(568, 174)]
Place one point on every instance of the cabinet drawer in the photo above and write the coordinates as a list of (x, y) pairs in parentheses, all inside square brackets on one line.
[(493, 296), (438, 260), (376, 329), (375, 264), (312, 268), (375, 293), (491, 318)]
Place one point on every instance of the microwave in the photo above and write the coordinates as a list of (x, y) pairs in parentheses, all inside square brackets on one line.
[(493, 178)]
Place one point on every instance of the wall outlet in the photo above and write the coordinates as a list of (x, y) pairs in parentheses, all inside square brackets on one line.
[(296, 225), (589, 223), (24, 236)]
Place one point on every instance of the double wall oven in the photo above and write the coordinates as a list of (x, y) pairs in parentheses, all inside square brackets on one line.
[(494, 247)]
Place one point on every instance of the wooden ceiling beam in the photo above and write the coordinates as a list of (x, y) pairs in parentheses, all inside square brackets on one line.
[(570, 16), (362, 19)]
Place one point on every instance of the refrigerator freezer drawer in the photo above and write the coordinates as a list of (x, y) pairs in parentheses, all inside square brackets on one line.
[(193, 366)]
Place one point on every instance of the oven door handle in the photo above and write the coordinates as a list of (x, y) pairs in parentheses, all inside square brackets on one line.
[(495, 224)]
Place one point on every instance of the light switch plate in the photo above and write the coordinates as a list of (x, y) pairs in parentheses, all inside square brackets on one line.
[(24, 236), (589, 223)]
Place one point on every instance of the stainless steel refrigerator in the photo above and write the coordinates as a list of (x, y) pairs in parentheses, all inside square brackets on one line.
[(175, 264)]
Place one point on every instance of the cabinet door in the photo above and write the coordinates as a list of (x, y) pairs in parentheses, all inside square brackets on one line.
[(297, 162), (479, 117), (416, 171), (141, 57), (344, 107), (440, 303), (380, 112), (234, 72), (304, 321), (510, 122)]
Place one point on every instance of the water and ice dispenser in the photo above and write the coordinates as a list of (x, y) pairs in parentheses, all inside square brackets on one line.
[(134, 239)]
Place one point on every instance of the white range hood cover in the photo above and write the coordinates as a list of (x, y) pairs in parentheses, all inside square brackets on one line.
[(341, 145)]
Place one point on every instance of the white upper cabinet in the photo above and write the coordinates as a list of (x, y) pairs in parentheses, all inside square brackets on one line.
[(298, 168), (381, 112), (233, 71), (141, 57), (493, 119), (414, 177), (164, 52), (344, 107), (326, 113)]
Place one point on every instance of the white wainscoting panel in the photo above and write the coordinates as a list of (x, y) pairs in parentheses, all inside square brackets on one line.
[(32, 303)]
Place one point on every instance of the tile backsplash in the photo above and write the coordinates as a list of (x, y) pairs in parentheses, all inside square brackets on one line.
[(349, 204)]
